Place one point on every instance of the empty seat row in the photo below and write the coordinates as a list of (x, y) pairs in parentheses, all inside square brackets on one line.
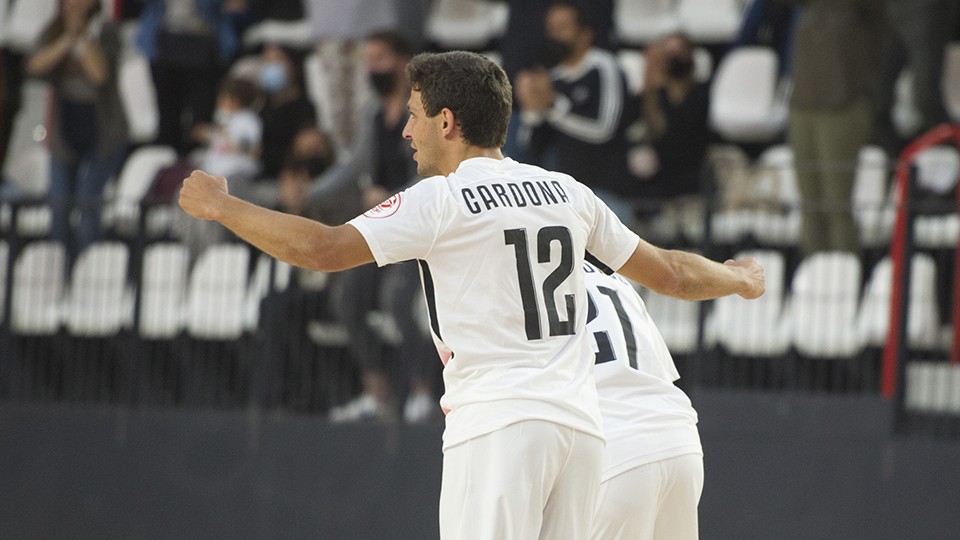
[(218, 299), (822, 315)]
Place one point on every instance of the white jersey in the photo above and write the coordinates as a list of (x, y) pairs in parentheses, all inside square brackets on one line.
[(646, 418), (500, 246)]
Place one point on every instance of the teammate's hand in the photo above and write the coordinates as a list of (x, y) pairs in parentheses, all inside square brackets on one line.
[(753, 280), (202, 195)]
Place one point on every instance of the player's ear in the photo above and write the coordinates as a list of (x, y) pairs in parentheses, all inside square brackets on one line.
[(447, 122)]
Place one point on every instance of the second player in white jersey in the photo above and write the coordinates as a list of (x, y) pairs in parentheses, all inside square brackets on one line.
[(653, 462)]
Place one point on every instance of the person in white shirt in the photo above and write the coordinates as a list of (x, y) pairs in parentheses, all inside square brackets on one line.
[(500, 247), (653, 462)]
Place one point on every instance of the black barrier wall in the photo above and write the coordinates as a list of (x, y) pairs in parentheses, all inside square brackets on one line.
[(777, 467)]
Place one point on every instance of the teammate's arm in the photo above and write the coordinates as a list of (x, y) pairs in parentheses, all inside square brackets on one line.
[(690, 276), (292, 239)]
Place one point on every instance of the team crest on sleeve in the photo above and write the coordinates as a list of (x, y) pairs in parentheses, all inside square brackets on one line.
[(385, 209)]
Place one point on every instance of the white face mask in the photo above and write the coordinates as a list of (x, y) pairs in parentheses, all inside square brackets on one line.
[(273, 77), (221, 117)]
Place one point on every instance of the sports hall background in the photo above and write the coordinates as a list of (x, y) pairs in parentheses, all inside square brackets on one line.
[(145, 401)]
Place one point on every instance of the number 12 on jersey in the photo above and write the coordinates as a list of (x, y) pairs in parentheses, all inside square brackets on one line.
[(528, 294)]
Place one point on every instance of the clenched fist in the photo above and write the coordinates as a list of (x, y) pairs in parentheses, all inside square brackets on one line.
[(754, 283), (202, 195)]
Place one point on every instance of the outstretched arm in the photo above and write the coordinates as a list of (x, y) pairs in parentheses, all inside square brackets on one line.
[(690, 276), (292, 239)]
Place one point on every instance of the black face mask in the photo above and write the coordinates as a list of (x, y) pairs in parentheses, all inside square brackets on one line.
[(679, 68), (315, 166), (383, 82), (553, 52)]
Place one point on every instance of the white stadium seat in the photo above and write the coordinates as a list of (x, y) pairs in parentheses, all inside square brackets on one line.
[(136, 177), (163, 287), (822, 308), (923, 315), (745, 105), (139, 97), (297, 34), (753, 327), (25, 21), (933, 387), (871, 205), (710, 21), (218, 293), (99, 302), (938, 169), (4, 254), (465, 24), (677, 320), (638, 22), (38, 289)]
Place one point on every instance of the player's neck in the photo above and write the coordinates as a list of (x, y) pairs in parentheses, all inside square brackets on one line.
[(468, 152)]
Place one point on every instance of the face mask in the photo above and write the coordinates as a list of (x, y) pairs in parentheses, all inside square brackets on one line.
[(679, 68), (316, 165), (553, 52), (221, 117), (383, 82), (273, 77)]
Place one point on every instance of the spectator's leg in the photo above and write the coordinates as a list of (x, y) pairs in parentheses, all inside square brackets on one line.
[(170, 88), (91, 180), (60, 197), (802, 133), (840, 138)]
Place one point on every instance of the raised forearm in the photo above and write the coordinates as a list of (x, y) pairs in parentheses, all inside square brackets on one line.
[(94, 62), (690, 276), (294, 239), (47, 58), (699, 278)]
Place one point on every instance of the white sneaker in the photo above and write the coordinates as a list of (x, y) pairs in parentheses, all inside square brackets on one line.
[(363, 407), (419, 408)]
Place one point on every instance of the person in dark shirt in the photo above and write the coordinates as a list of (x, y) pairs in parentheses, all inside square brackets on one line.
[(576, 111), (675, 109), (374, 304), (287, 109)]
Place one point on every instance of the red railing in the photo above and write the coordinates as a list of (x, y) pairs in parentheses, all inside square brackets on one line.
[(938, 135)]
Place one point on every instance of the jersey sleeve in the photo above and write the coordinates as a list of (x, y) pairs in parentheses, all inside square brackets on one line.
[(405, 226), (610, 240)]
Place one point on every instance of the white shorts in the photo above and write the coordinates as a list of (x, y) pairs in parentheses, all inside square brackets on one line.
[(656, 501), (532, 479)]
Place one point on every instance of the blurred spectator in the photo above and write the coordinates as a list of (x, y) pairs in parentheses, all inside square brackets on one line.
[(282, 10), (830, 112), (522, 49), (188, 43), (232, 146), (576, 110), (286, 110), (675, 109), (768, 23), (914, 36), (78, 55), (11, 79), (233, 140), (397, 341), (304, 179)]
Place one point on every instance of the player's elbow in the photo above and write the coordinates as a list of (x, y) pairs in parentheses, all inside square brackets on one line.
[(323, 256)]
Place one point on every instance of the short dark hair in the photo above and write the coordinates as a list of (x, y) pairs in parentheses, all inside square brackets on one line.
[(474, 88), (584, 15), (243, 91), (394, 40)]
